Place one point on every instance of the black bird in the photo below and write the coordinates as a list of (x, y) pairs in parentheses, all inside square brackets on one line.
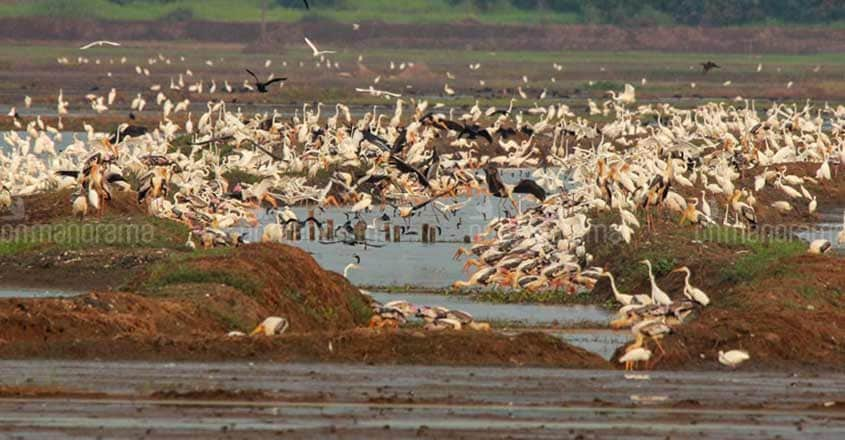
[(403, 167), (375, 139), (499, 189), (506, 132), (708, 66), (262, 86), (474, 131), (400, 142), (302, 223), (129, 131)]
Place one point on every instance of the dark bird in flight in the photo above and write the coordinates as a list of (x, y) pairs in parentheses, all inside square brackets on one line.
[(501, 190), (473, 132), (708, 66), (262, 86), (404, 168)]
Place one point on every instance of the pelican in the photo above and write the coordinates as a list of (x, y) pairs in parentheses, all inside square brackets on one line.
[(733, 358), (271, 326), (820, 246)]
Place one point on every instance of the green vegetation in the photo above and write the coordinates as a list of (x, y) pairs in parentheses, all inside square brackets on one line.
[(107, 232), (361, 311), (623, 12), (503, 296), (759, 255), (168, 274)]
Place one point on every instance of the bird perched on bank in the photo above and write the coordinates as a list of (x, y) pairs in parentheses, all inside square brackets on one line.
[(733, 358), (5, 198), (261, 86), (271, 326), (633, 356), (691, 291), (820, 246)]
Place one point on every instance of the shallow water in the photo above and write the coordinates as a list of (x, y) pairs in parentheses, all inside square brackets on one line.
[(386, 402), (601, 342), (527, 314), (408, 262), (35, 293), (828, 228)]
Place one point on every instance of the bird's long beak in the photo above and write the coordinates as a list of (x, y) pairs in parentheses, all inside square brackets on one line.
[(676, 270), (258, 330)]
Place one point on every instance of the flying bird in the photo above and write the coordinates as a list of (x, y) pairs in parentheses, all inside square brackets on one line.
[(708, 66), (316, 51), (262, 86), (99, 43), (499, 189)]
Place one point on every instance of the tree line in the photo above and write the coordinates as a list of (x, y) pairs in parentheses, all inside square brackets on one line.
[(656, 12)]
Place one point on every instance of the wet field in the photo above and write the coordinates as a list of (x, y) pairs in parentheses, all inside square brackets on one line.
[(244, 400)]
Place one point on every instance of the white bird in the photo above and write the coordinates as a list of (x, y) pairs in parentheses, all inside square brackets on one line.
[(622, 298), (733, 358), (636, 355), (271, 326), (316, 52), (691, 292), (658, 296), (99, 43), (841, 237), (820, 246)]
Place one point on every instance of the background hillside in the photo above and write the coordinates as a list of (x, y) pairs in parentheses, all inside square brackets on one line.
[(617, 12)]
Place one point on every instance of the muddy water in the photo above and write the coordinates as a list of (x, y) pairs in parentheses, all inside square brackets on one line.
[(381, 402)]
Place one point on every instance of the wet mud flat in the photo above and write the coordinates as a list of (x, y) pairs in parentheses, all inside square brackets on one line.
[(254, 400)]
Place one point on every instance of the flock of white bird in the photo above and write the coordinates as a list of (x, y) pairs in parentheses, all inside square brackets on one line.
[(643, 159)]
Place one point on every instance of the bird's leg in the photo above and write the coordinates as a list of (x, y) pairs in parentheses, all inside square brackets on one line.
[(656, 341)]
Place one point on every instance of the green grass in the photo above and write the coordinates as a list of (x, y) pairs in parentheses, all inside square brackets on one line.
[(168, 274), (108, 232), (391, 11), (361, 311), (760, 255), (8, 248), (501, 296)]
